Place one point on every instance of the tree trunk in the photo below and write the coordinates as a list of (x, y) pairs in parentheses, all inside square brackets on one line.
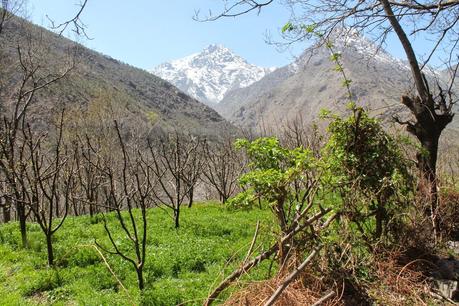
[(7, 211), (427, 164), (380, 217), (177, 217), (429, 123), (190, 197), (280, 214), (140, 278), (91, 209), (22, 224), (49, 245)]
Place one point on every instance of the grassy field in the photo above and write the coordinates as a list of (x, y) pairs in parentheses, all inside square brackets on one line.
[(182, 265)]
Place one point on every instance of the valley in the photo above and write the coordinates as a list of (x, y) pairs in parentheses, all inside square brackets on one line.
[(153, 164)]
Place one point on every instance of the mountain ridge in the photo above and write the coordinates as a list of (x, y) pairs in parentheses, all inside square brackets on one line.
[(312, 83), (208, 75), (141, 94)]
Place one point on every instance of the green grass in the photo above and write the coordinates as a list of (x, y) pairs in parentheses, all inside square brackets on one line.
[(182, 265)]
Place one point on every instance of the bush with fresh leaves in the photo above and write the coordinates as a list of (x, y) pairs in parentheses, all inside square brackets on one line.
[(366, 165), (276, 176)]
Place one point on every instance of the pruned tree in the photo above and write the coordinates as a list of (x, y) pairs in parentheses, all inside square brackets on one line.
[(47, 178), (33, 79), (33, 76), (89, 179), (431, 106), (173, 160), (193, 172), (222, 168), (126, 190)]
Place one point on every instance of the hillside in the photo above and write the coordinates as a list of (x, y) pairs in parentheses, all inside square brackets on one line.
[(311, 83), (143, 97)]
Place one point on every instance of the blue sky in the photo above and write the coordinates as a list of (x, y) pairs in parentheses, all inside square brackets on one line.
[(145, 33)]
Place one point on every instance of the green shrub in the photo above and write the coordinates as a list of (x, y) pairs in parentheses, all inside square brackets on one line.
[(366, 165)]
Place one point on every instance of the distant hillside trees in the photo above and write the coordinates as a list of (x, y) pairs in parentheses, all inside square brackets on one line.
[(222, 167)]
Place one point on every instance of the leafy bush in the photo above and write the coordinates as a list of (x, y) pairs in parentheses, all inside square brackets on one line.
[(367, 167), (277, 175)]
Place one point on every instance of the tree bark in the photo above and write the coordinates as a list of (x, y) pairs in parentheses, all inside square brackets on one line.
[(429, 124), (140, 278), (22, 224), (177, 217), (190, 197), (7, 211), (49, 245)]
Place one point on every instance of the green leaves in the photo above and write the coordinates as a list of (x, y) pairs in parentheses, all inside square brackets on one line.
[(288, 27), (307, 28), (272, 169)]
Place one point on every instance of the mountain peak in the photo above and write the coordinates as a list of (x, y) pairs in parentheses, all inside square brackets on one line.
[(210, 74), (215, 47)]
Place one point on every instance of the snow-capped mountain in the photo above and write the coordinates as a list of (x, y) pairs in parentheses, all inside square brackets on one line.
[(210, 74)]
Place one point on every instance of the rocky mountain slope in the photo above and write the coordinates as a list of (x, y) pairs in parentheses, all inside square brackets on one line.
[(312, 83), (210, 74), (142, 96)]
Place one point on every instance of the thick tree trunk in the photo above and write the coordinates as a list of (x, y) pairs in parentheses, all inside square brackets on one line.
[(49, 245), (427, 163), (431, 117), (427, 129)]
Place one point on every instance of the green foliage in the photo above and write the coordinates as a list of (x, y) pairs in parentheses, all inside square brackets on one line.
[(273, 169), (367, 166), (359, 149), (288, 27), (152, 117)]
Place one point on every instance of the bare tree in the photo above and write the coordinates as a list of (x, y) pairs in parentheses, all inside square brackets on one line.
[(89, 179), (8, 8), (192, 173), (223, 167), (33, 79), (172, 160), (436, 20), (14, 103), (126, 190), (47, 178)]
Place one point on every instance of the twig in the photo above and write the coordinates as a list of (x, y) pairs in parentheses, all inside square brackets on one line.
[(292, 277), (255, 235), (325, 298), (254, 262), (108, 266)]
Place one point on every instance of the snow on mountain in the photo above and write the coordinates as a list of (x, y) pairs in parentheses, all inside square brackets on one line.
[(352, 40), (210, 74)]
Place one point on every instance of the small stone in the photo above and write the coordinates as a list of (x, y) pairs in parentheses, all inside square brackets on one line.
[(454, 246), (448, 288)]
